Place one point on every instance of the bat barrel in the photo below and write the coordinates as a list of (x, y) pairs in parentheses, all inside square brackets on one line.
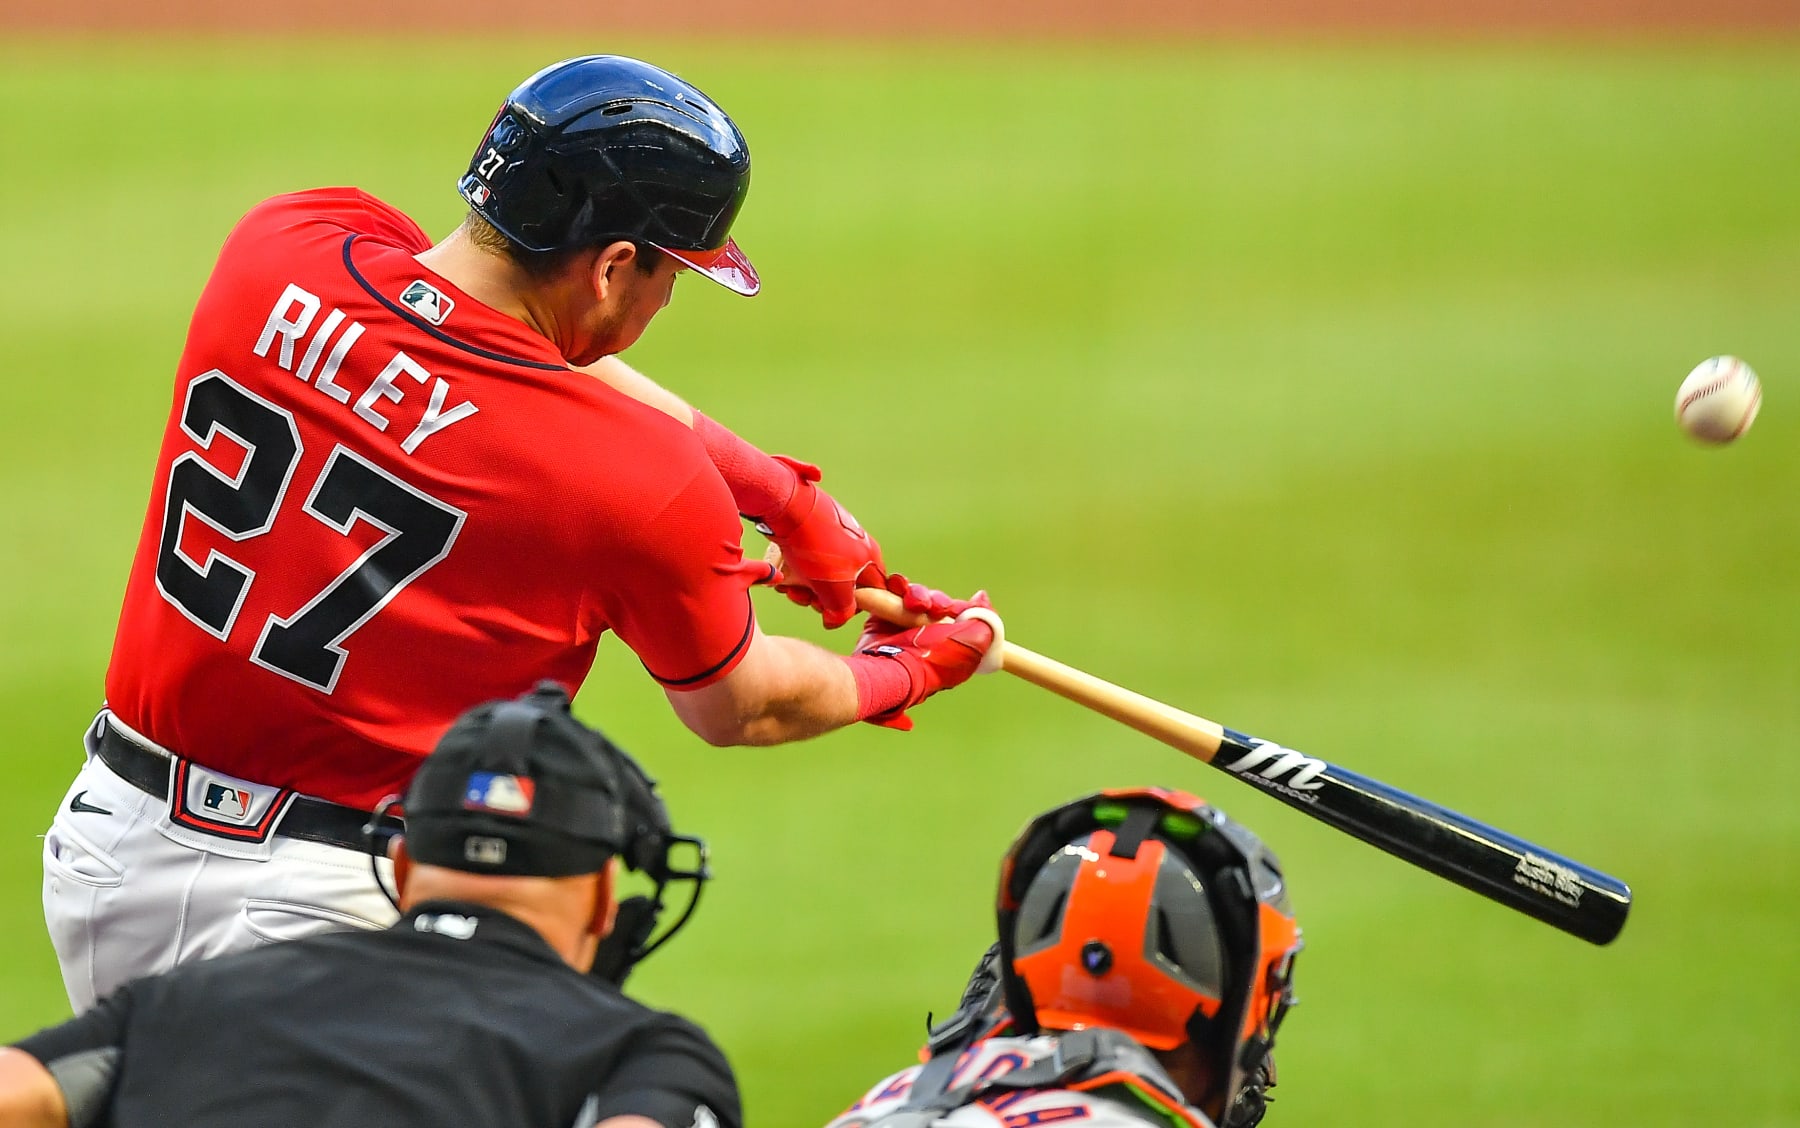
[(1499, 866), (1502, 867)]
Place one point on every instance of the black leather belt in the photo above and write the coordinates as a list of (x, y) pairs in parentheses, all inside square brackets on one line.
[(314, 820)]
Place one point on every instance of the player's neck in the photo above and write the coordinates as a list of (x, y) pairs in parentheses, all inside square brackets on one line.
[(1193, 1075), (486, 277), (550, 912)]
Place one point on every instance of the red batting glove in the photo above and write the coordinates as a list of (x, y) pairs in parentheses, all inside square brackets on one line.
[(825, 554), (936, 656), (933, 604)]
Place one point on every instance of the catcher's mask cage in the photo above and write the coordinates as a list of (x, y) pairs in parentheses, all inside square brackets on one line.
[(1150, 912), (522, 788), (601, 148)]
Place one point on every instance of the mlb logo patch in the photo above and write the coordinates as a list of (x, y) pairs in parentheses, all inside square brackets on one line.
[(498, 793), (479, 194), (229, 803), (224, 806), (427, 301)]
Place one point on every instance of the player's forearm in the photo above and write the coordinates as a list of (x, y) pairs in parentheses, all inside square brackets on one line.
[(785, 689), (624, 378), (817, 696)]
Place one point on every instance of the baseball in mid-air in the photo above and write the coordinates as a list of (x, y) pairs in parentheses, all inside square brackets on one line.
[(1718, 400)]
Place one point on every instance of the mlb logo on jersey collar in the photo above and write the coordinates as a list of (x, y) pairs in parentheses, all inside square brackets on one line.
[(427, 301), (499, 793)]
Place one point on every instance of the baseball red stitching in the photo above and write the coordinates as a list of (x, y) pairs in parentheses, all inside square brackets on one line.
[(1749, 413), (1708, 389)]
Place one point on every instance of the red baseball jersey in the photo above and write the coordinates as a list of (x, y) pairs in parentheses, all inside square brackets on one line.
[(380, 502)]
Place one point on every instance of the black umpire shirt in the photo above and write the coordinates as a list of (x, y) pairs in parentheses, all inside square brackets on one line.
[(458, 1015)]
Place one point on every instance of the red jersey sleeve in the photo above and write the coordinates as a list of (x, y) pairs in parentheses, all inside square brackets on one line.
[(680, 596), (350, 210)]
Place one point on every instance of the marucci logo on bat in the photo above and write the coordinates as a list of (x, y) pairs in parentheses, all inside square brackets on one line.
[(1267, 763), (1541, 875)]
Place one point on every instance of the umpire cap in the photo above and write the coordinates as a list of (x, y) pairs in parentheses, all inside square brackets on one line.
[(521, 788), (603, 147)]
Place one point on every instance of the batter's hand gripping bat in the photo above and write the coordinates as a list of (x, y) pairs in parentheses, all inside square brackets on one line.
[(1518, 874)]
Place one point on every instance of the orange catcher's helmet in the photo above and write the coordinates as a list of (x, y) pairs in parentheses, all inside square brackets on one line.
[(1149, 912)]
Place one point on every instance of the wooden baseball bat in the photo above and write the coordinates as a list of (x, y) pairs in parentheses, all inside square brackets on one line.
[(1521, 875)]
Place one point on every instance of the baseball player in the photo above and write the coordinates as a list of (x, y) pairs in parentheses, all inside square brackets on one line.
[(474, 1009), (1145, 960), (384, 494)]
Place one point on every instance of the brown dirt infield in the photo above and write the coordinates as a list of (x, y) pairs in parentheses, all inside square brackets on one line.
[(1037, 18)]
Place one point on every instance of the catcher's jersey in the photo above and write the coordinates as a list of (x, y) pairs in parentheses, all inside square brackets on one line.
[(379, 502), (1111, 1107)]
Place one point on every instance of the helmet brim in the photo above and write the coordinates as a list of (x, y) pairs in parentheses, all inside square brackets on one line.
[(729, 266)]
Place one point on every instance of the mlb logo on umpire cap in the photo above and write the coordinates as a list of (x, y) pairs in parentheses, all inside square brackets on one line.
[(500, 794)]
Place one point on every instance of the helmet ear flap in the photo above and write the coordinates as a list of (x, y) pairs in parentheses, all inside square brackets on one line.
[(1236, 1036), (1234, 914)]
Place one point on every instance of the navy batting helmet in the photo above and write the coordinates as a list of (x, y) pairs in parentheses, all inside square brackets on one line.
[(603, 147)]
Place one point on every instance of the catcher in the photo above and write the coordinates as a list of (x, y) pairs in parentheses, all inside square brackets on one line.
[(1144, 962)]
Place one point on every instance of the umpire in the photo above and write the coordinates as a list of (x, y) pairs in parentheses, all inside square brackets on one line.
[(476, 1009)]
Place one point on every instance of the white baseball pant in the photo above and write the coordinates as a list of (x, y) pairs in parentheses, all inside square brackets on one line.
[(129, 892)]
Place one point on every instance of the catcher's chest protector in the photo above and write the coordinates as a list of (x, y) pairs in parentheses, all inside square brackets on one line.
[(1100, 1078)]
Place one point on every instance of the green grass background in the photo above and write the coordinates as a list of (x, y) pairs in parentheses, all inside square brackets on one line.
[(1321, 389)]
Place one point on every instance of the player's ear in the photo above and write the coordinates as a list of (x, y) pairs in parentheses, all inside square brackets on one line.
[(606, 903), (611, 265), (402, 864)]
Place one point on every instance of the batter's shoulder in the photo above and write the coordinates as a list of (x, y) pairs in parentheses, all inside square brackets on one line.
[(639, 460), (338, 210)]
